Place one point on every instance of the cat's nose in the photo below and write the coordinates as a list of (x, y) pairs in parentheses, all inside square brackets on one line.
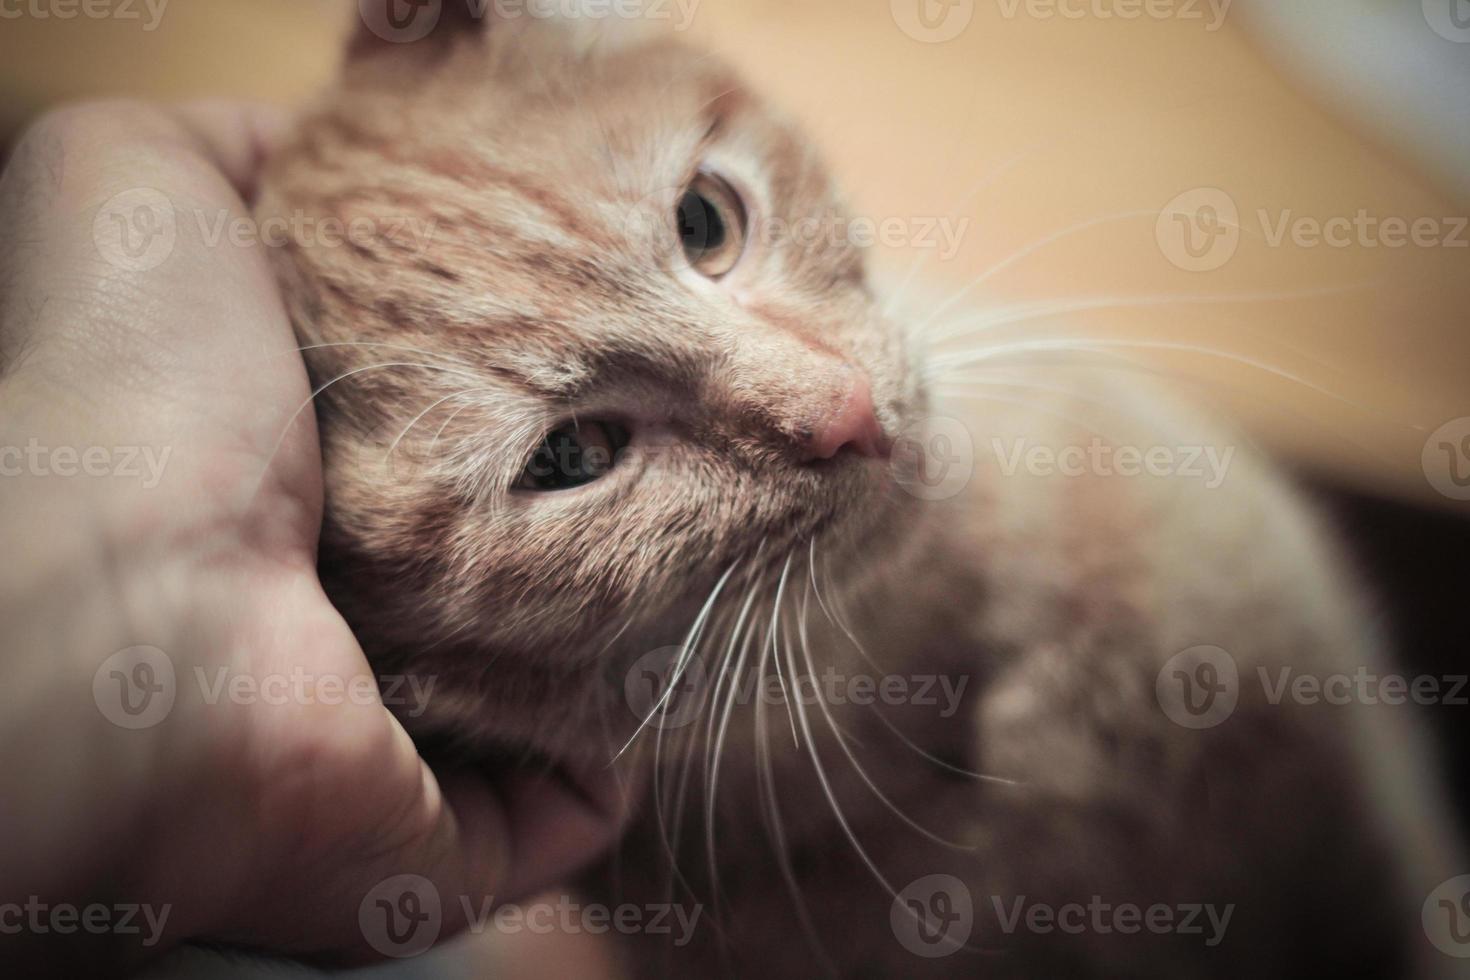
[(851, 425)]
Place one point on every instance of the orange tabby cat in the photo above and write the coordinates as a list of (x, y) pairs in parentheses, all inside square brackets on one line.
[(636, 473)]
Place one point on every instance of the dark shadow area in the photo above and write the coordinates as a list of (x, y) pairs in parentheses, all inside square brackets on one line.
[(1417, 561)]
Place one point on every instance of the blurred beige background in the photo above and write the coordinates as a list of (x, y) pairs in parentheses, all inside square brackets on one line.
[(1024, 123)]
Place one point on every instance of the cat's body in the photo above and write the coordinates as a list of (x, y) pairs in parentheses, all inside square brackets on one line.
[(1029, 748), (1306, 831)]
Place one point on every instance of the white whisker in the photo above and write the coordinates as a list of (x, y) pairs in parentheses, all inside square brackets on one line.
[(773, 641), (682, 664), (837, 736), (1024, 313), (1029, 250)]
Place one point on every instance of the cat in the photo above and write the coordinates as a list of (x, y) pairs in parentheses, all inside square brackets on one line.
[(635, 477)]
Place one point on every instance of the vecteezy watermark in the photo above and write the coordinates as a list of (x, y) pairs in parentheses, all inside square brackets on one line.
[(1211, 13), (149, 11), (406, 21), (940, 234), (932, 21), (301, 230), (63, 919), (1199, 687), (1200, 230), (933, 916), (135, 688), (1446, 917), (658, 218), (933, 458), (1362, 686), (680, 12), (667, 689), (138, 687), (1446, 459), (1450, 19), (1209, 464), (567, 916), (143, 463), (137, 230), (1362, 230), (402, 917), (409, 694), (1102, 918)]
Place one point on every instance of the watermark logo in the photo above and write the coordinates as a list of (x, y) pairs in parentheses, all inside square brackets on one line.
[(1446, 459), (1199, 687), (153, 10), (933, 916), (401, 451), (400, 21), (654, 221), (142, 463), (40, 918), (1211, 12), (404, 233), (136, 231), (1450, 19), (401, 917), (933, 21), (1103, 918), (647, 683), (568, 917), (1199, 231), (657, 218), (408, 695), (1362, 230), (1363, 686), (681, 12), (1207, 464), (406, 21), (929, 233), (1446, 917), (662, 691), (135, 688), (933, 458)]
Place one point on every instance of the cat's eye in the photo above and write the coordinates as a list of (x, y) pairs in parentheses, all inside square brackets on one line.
[(573, 455), (711, 226)]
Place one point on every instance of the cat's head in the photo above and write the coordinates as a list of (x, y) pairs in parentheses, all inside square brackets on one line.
[(577, 360)]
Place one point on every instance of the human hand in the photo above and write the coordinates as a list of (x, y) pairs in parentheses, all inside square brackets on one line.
[(162, 489)]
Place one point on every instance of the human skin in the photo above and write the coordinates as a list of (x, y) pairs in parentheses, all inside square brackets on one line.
[(262, 825)]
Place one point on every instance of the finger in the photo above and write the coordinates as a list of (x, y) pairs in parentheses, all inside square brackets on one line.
[(104, 205), (237, 137), (131, 299), (488, 846), (560, 825), (384, 861)]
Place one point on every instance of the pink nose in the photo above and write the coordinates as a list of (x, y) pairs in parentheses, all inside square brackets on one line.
[(852, 425)]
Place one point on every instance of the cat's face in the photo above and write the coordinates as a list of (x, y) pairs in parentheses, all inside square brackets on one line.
[(586, 309)]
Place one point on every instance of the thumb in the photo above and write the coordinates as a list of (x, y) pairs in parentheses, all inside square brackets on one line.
[(489, 840)]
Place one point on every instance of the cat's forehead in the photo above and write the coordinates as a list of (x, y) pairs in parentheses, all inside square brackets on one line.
[(620, 123), (515, 204)]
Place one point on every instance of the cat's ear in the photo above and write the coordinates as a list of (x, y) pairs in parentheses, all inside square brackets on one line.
[(414, 26)]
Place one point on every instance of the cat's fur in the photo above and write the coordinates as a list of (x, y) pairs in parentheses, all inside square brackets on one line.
[(530, 152)]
